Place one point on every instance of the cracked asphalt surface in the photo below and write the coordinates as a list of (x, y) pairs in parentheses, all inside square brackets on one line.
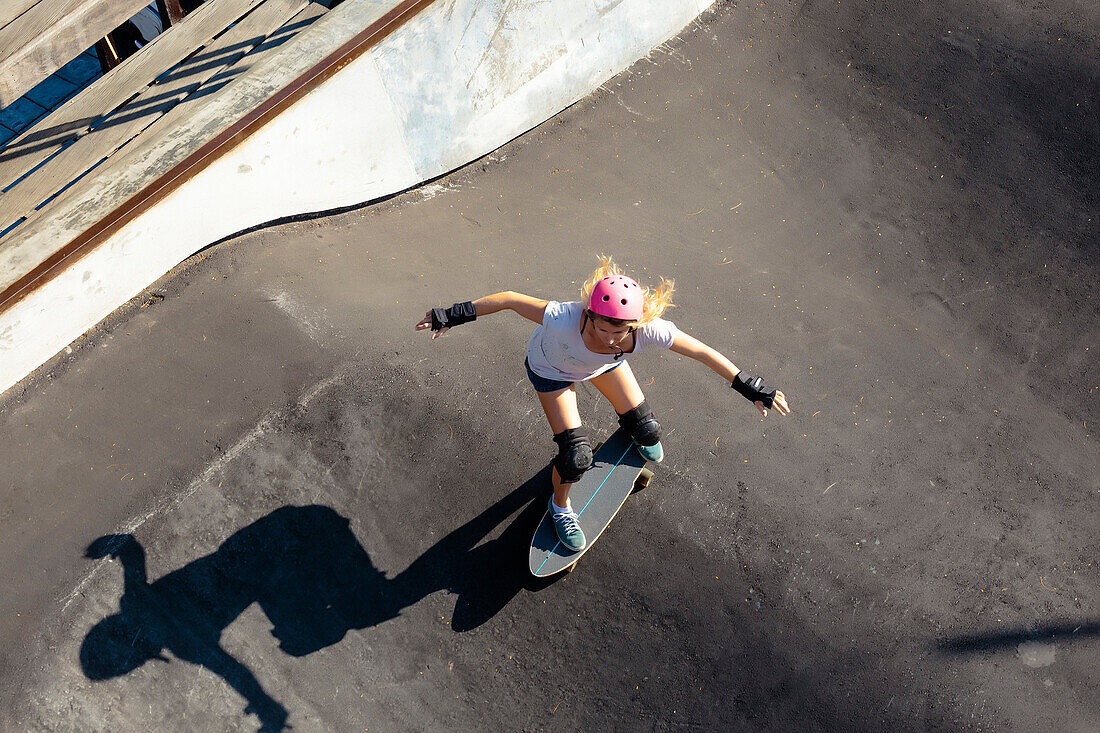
[(255, 498)]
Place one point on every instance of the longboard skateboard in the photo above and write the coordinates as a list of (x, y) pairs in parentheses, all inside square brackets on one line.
[(617, 468)]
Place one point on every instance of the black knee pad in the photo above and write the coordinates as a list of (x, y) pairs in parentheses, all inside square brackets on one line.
[(574, 454), (642, 425)]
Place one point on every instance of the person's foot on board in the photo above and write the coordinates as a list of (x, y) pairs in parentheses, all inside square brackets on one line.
[(652, 453), (568, 529)]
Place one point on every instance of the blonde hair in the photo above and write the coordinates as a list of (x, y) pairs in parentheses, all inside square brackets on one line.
[(654, 301)]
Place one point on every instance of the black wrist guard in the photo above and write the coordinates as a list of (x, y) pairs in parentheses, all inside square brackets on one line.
[(753, 388), (456, 315)]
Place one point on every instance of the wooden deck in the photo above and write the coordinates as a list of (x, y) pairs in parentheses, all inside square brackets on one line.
[(151, 90), (42, 38)]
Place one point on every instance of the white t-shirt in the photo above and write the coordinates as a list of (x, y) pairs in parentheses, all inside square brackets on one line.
[(556, 350)]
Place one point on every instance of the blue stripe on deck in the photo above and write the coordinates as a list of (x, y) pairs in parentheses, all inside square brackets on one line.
[(617, 464)]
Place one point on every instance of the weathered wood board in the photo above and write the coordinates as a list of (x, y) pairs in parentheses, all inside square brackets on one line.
[(73, 118), (49, 34), (130, 120)]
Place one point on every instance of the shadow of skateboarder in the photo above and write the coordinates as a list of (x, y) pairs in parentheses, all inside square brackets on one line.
[(314, 581)]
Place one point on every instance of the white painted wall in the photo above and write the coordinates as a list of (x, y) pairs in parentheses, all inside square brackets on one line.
[(459, 80)]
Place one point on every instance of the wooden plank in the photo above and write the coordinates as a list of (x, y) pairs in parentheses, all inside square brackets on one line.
[(284, 33), (37, 17), (49, 35), (73, 118), (167, 183), (130, 119), (12, 9)]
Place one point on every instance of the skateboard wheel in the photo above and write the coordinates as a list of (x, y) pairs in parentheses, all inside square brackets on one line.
[(644, 477)]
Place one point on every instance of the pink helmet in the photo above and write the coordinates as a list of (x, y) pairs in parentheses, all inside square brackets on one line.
[(617, 296)]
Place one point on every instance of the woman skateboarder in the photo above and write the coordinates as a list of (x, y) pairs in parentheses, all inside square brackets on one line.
[(590, 340)]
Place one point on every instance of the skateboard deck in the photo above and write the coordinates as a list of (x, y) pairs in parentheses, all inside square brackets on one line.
[(617, 468)]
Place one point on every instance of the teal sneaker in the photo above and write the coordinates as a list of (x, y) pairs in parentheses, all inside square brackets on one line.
[(652, 453), (567, 527)]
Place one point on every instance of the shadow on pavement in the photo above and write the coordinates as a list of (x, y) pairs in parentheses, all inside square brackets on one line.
[(988, 642), (983, 85), (313, 580)]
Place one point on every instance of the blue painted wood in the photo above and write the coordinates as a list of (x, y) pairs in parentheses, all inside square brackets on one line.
[(52, 91), (21, 114), (82, 70)]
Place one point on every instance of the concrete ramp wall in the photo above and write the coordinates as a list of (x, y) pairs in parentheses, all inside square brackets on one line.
[(451, 84)]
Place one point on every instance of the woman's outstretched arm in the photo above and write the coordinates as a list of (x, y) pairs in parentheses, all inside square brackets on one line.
[(751, 388), (528, 307)]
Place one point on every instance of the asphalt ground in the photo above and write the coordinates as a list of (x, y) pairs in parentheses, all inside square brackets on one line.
[(254, 496)]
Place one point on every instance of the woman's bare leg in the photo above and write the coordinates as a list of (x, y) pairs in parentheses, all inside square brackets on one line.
[(562, 413), (620, 388)]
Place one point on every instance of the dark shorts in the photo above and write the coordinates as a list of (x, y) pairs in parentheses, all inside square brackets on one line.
[(542, 384)]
